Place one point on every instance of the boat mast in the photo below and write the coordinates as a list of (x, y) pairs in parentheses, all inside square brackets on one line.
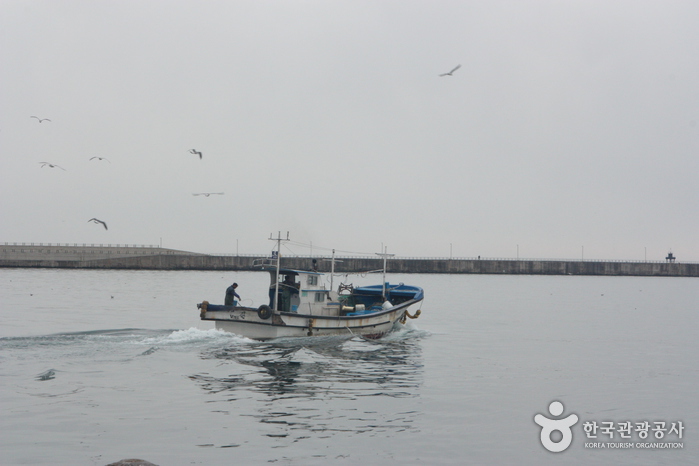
[(279, 240), (332, 268), (385, 255), (332, 271)]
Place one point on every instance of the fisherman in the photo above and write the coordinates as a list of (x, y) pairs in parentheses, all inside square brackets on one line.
[(288, 289), (231, 295), (289, 281)]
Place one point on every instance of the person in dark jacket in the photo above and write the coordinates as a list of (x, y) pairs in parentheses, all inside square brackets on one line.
[(231, 295)]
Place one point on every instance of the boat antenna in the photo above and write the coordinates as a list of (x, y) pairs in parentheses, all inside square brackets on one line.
[(279, 240), (385, 255)]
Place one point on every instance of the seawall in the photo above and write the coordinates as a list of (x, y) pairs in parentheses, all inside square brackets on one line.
[(156, 258)]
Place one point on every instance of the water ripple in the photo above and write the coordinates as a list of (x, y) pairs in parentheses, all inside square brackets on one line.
[(319, 387)]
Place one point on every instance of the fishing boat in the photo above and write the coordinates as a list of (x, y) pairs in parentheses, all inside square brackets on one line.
[(300, 305)]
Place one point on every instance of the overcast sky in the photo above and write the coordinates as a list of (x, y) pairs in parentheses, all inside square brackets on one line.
[(570, 130)]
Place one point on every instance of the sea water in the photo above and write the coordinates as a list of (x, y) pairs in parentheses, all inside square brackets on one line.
[(97, 366)]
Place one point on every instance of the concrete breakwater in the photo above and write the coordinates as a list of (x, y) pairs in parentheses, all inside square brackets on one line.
[(156, 258)]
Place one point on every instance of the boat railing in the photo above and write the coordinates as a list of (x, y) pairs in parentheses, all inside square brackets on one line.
[(265, 262), (344, 287)]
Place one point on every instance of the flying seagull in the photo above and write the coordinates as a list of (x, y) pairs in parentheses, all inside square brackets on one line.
[(451, 73), (51, 165), (204, 194), (100, 158), (96, 220), (195, 152), (40, 119)]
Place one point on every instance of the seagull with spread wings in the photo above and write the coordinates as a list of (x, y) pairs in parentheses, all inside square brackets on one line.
[(51, 165), (40, 119), (451, 73), (195, 152), (98, 221), (100, 158), (205, 194)]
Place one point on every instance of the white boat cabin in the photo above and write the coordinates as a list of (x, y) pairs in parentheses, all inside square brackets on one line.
[(302, 292)]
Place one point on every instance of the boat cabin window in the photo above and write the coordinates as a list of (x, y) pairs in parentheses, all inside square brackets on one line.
[(312, 279), (288, 279), (320, 297)]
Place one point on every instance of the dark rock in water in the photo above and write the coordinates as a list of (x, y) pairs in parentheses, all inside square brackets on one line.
[(132, 462)]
